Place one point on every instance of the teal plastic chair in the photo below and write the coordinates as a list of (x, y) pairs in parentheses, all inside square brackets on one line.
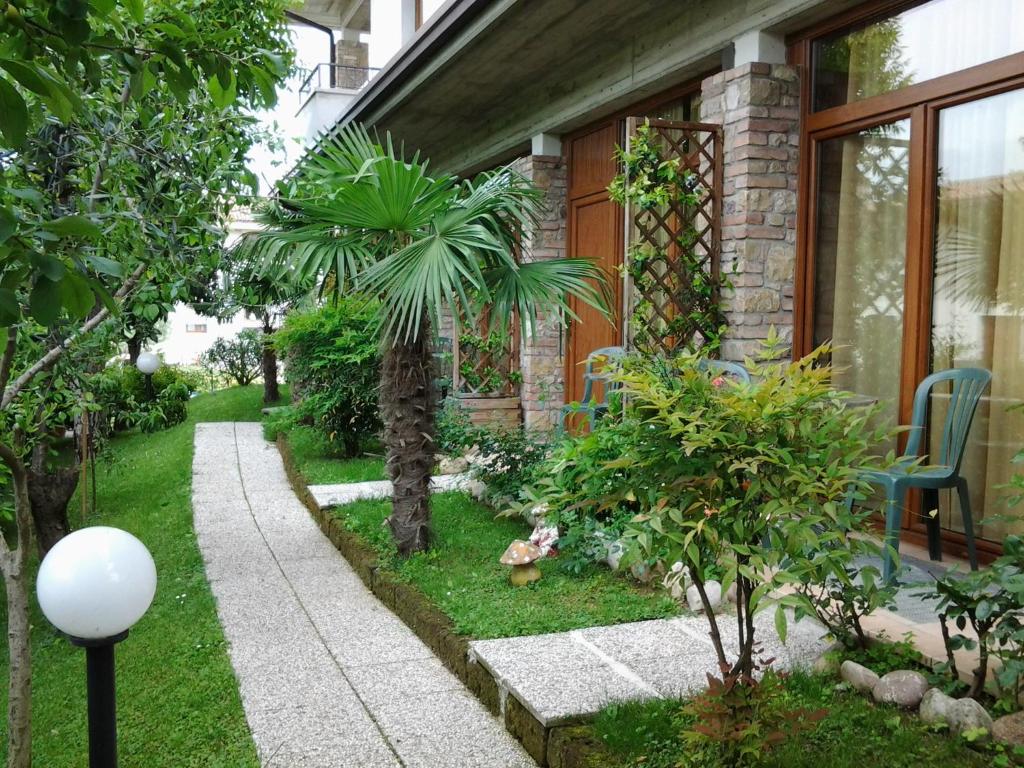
[(606, 359), (725, 368), (943, 471)]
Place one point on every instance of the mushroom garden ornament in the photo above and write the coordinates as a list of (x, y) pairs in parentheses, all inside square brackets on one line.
[(522, 556)]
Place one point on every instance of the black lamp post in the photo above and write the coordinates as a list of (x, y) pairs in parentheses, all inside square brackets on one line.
[(93, 585)]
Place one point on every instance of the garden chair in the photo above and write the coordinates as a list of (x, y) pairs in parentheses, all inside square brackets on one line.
[(725, 368), (601, 364), (967, 387)]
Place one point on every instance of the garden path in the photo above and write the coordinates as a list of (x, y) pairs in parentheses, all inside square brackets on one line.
[(328, 676)]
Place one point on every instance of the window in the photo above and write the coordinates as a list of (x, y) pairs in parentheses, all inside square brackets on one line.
[(195, 328), (919, 44), (912, 248)]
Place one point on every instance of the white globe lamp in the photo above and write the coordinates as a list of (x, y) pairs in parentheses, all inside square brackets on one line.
[(94, 585), (147, 363)]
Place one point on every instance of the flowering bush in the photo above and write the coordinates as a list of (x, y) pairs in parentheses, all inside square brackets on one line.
[(505, 460)]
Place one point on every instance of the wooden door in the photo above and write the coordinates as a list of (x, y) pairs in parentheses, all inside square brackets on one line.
[(595, 228)]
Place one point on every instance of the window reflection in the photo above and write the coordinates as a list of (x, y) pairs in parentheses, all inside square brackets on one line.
[(928, 41)]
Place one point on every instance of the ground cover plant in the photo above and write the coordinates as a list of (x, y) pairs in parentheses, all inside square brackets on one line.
[(167, 719), (853, 733), (462, 576)]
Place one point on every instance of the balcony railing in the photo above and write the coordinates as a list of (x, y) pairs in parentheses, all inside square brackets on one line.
[(336, 76)]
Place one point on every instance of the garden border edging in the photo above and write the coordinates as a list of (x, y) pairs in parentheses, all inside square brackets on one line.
[(565, 745)]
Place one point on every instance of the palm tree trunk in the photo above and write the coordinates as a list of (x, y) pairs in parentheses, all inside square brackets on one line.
[(271, 392), (407, 409)]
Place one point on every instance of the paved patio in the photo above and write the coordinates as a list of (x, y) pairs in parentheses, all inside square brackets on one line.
[(328, 675)]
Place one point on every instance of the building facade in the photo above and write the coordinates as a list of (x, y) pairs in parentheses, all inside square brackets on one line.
[(872, 185)]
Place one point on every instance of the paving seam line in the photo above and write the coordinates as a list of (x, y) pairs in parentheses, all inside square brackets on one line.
[(302, 606), (615, 665)]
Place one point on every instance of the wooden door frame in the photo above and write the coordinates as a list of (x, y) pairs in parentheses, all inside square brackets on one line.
[(921, 103)]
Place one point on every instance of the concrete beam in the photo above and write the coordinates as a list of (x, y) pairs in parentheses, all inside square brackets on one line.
[(546, 144), (758, 46)]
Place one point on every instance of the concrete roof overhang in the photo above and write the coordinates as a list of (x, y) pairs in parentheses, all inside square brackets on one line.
[(337, 14), (483, 76)]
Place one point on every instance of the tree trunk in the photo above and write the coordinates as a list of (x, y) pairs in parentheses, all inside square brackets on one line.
[(19, 706), (14, 565), (407, 409), (134, 348), (50, 489), (271, 392)]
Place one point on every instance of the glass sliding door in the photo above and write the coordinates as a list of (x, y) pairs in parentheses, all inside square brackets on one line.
[(978, 290), (860, 258)]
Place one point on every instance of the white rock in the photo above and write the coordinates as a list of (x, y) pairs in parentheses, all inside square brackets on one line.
[(904, 688), (730, 593), (712, 589), (451, 465), (859, 677)]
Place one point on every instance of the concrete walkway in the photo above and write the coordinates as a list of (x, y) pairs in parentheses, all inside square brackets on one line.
[(334, 495), (328, 676)]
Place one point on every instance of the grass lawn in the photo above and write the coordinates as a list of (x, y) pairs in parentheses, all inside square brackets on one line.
[(461, 575), (178, 703), (855, 733), (314, 459)]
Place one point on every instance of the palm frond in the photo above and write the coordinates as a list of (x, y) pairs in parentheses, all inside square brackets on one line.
[(529, 289)]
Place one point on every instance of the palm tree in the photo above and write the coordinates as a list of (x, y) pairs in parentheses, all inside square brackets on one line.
[(364, 218)]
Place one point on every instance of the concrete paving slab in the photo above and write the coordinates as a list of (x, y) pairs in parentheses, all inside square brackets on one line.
[(346, 493), (299, 622)]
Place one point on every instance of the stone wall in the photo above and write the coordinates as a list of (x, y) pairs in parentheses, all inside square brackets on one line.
[(758, 107), (542, 356)]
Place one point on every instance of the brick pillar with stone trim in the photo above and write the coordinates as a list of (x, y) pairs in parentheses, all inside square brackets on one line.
[(758, 106), (541, 356)]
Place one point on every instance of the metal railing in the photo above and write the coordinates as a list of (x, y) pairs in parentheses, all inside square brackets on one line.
[(336, 76)]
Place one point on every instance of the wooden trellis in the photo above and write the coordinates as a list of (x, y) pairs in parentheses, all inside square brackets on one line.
[(674, 296), (471, 364)]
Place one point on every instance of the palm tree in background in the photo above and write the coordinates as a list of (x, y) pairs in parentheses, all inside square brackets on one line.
[(365, 219)]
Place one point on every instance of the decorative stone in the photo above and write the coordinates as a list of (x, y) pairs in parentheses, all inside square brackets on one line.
[(904, 688), (712, 589), (935, 706), (858, 676), (1009, 729), (451, 465), (730, 593), (615, 550), (959, 714)]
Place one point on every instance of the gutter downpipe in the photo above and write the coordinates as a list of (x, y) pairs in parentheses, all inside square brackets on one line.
[(330, 33)]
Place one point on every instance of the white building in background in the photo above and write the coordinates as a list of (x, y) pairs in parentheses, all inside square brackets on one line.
[(360, 37), (187, 334)]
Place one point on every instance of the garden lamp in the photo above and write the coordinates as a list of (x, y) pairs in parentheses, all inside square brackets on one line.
[(93, 585), (148, 363)]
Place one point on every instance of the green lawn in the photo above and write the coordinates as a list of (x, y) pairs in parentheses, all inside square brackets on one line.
[(314, 459), (178, 703), (462, 575), (854, 734)]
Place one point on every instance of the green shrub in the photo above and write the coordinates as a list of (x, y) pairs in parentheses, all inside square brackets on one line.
[(124, 400), (332, 363), (454, 433), (719, 477), (239, 359)]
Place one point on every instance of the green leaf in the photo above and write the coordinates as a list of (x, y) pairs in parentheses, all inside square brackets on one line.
[(48, 265), (10, 309), (76, 295), (780, 623), (105, 266), (75, 226), (8, 223), (13, 114), (137, 9), (45, 301), (43, 84)]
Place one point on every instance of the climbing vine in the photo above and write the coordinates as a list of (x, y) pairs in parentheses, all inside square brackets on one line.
[(672, 260)]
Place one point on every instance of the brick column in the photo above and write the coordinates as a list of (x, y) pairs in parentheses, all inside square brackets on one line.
[(758, 107), (541, 357)]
